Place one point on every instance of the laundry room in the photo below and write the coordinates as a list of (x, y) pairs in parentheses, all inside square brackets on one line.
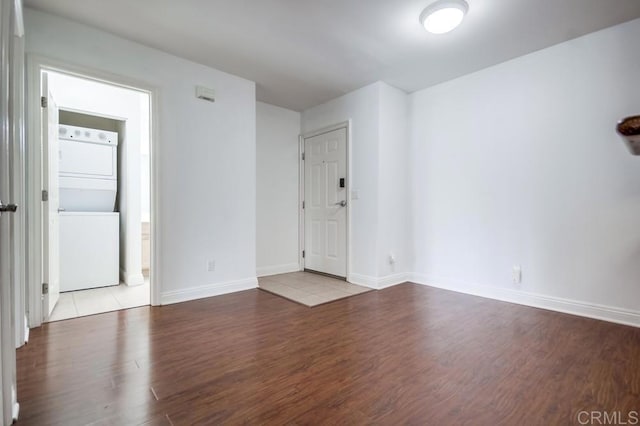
[(102, 175)]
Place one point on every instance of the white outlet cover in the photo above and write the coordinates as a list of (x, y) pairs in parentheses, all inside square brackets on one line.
[(517, 274)]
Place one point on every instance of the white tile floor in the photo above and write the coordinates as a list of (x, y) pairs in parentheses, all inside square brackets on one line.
[(309, 289), (98, 300)]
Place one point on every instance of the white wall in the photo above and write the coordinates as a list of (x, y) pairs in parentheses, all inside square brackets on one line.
[(277, 150), (394, 204), (205, 155), (520, 164), (90, 97)]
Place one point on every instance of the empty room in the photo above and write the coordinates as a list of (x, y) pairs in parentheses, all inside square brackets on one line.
[(311, 212)]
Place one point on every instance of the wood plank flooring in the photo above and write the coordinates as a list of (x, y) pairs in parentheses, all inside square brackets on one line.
[(405, 355)]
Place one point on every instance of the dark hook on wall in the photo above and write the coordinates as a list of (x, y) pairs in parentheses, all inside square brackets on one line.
[(629, 129)]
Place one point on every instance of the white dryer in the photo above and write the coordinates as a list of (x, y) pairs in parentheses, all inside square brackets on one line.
[(88, 169), (89, 227)]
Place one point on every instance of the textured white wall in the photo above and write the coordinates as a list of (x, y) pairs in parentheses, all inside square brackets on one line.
[(394, 203), (205, 154), (277, 150), (520, 164)]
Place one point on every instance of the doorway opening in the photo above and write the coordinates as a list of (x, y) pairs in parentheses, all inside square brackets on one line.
[(96, 200), (325, 193)]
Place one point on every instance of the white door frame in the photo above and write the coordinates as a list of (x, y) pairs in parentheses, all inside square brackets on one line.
[(301, 212), (37, 64), (11, 31), (19, 191)]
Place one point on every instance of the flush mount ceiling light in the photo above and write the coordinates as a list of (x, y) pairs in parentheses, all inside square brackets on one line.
[(443, 15)]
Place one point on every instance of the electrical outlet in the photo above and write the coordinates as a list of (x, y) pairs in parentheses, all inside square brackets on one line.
[(517, 274), (211, 265)]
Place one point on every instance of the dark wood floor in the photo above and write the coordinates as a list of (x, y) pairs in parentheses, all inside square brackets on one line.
[(405, 355)]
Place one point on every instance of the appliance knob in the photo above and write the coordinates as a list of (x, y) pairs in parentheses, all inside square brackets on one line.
[(102, 136)]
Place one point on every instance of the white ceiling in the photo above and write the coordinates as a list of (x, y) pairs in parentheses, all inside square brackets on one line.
[(304, 52)]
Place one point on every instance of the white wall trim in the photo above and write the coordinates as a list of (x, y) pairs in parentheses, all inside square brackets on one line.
[(379, 283), (26, 330), (18, 13), (265, 271), (363, 280), (132, 280), (210, 290), (15, 406), (567, 306), (19, 166), (391, 280)]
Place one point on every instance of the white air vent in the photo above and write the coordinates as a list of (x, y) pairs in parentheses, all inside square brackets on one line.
[(205, 93)]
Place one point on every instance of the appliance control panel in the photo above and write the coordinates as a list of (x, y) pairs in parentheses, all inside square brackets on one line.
[(84, 134)]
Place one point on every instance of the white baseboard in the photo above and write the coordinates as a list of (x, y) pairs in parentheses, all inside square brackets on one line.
[(15, 407), (211, 290), (391, 280), (568, 306), (379, 283), (363, 280), (26, 329), (574, 307), (265, 271), (131, 280)]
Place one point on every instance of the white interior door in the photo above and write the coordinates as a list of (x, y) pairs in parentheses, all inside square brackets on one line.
[(7, 341), (51, 221), (325, 212)]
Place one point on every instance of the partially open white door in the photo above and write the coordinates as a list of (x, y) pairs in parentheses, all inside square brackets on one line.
[(7, 341), (51, 201), (325, 213)]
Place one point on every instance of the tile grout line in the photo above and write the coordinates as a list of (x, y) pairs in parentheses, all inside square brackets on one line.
[(322, 285), (112, 292), (75, 307), (307, 293)]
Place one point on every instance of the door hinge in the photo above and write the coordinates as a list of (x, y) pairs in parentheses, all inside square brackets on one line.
[(44, 102), (303, 156), (45, 288), (303, 204), (45, 195), (303, 254)]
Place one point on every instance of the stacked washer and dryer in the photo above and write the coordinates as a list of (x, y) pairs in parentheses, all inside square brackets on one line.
[(89, 222)]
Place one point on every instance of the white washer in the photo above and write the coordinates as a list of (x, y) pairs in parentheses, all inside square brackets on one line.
[(89, 227), (89, 250)]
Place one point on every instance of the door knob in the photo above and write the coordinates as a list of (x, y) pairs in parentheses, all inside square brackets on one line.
[(9, 208), (342, 203)]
